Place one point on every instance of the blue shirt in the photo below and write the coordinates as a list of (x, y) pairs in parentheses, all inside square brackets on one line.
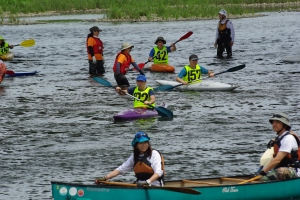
[(183, 72)]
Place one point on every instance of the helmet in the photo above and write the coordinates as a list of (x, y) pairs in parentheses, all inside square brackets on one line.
[(223, 12)]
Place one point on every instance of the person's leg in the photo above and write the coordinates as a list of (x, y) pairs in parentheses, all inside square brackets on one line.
[(228, 50), (121, 80), (100, 67), (92, 68), (220, 49)]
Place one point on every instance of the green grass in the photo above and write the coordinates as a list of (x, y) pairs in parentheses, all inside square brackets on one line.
[(136, 9)]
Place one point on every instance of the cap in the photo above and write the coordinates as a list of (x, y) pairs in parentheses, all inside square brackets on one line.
[(280, 117), (140, 137), (126, 45), (160, 39), (193, 57), (141, 78), (95, 28)]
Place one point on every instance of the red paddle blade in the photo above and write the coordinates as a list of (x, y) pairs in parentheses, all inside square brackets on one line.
[(141, 66), (188, 34), (10, 72)]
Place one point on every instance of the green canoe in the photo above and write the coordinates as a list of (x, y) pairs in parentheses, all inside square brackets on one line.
[(229, 188)]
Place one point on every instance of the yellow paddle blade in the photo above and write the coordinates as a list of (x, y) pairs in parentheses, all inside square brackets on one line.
[(27, 43)]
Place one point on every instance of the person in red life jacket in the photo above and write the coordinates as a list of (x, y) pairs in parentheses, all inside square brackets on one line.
[(142, 92), (121, 66), (95, 52), (146, 163), (285, 164), (225, 35)]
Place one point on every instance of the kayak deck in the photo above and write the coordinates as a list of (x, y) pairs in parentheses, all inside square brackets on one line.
[(21, 74), (135, 113)]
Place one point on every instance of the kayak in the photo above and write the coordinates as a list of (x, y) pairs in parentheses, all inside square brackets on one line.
[(135, 113), (7, 56), (291, 59), (161, 68), (221, 188), (14, 74), (204, 85)]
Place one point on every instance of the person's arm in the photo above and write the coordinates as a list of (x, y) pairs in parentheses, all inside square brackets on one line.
[(181, 74), (151, 54), (152, 98), (137, 68), (275, 161), (232, 32), (156, 166), (208, 72), (217, 36)]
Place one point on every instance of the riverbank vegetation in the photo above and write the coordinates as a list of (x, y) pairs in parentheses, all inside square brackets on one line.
[(141, 10)]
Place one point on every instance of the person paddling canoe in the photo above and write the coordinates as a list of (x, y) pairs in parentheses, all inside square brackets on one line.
[(122, 62), (192, 72), (4, 46), (95, 52), (147, 163), (159, 54), (142, 92), (285, 164)]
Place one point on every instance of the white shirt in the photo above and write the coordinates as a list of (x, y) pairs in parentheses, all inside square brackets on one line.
[(155, 161), (229, 25), (288, 143)]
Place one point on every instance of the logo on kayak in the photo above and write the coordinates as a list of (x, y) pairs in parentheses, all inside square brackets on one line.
[(63, 191), (229, 189), (73, 191), (80, 192)]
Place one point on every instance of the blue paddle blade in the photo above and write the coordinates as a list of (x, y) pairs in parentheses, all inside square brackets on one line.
[(164, 88), (164, 112), (102, 81)]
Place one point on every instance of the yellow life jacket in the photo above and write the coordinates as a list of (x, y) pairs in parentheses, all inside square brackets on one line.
[(192, 74), (163, 57), (143, 96)]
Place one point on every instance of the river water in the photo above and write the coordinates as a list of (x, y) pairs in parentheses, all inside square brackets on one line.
[(58, 125)]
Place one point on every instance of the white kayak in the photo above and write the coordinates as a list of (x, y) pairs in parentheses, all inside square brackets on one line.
[(291, 59), (204, 85)]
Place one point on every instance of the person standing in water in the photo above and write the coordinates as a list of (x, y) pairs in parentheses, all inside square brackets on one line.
[(95, 52), (225, 35)]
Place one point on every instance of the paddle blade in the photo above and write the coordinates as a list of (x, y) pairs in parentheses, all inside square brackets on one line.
[(233, 69), (27, 43), (141, 66), (102, 81), (164, 88), (10, 72), (188, 34), (164, 112)]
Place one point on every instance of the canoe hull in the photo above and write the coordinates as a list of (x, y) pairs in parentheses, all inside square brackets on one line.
[(162, 68), (288, 189), (21, 74), (135, 113), (204, 85), (8, 56)]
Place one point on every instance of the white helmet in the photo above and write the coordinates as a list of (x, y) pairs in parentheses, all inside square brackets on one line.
[(223, 12)]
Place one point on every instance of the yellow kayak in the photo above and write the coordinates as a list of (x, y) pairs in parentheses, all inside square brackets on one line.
[(7, 56)]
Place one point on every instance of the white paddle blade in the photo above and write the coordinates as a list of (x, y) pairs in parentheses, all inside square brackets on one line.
[(267, 157)]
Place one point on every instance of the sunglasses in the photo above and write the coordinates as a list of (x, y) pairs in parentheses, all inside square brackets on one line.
[(141, 135)]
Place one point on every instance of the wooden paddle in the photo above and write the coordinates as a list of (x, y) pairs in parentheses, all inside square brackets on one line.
[(10, 72), (251, 179), (170, 87), (162, 111), (188, 34), (174, 189), (26, 43)]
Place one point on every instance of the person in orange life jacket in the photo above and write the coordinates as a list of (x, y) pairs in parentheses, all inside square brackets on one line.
[(4, 46), (225, 35), (95, 52), (145, 162), (286, 145), (122, 62), (138, 92), (162, 57), (192, 72), (2, 70)]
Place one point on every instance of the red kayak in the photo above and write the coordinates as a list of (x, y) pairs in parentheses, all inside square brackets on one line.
[(162, 68)]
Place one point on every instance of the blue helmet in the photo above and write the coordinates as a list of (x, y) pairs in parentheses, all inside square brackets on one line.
[(140, 137)]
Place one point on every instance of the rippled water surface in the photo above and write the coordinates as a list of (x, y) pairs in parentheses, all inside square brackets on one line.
[(58, 124)]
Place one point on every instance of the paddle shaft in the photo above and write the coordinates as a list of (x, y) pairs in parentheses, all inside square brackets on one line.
[(251, 179), (174, 189)]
